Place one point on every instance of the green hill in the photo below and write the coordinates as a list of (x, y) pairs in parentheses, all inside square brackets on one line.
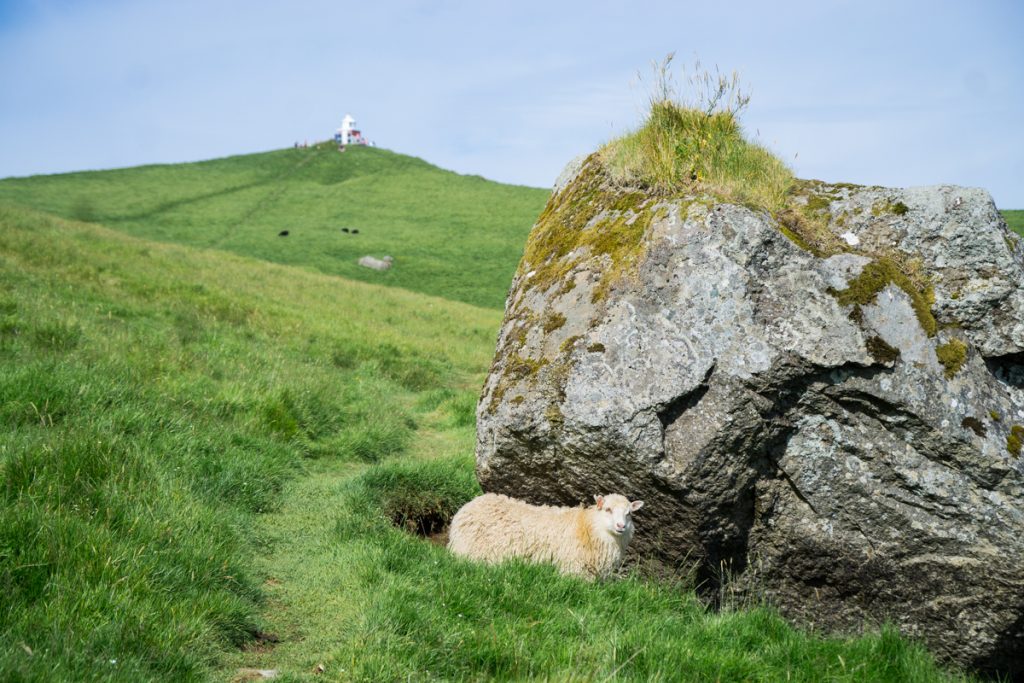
[(1015, 219), (454, 236), (209, 463)]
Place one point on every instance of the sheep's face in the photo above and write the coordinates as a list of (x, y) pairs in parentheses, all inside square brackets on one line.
[(617, 513)]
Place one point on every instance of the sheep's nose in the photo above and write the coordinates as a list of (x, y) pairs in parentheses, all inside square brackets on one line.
[(619, 526)]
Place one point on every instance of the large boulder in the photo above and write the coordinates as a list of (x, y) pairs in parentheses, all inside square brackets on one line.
[(824, 407)]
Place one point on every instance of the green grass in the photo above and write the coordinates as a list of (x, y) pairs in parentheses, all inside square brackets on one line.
[(200, 447), (454, 236), (402, 608), (154, 400), (1015, 220)]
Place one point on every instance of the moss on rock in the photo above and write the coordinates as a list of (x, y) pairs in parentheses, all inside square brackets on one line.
[(800, 231), (1014, 440), (591, 223), (818, 202), (553, 321), (883, 208), (805, 218), (879, 274), (569, 343), (589, 219), (952, 355), (517, 368), (553, 414)]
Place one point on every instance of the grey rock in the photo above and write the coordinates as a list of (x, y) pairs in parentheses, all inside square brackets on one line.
[(568, 173), (376, 263), (806, 452), (253, 674)]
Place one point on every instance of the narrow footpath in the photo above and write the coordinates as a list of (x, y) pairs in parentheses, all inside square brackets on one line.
[(313, 595)]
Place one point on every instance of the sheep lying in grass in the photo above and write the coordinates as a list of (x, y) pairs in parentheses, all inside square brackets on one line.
[(588, 542)]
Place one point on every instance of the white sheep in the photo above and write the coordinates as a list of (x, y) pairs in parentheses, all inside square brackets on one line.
[(589, 542)]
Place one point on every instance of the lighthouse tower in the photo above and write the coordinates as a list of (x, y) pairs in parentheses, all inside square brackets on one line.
[(348, 134)]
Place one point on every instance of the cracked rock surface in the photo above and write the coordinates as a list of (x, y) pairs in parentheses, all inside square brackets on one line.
[(823, 455)]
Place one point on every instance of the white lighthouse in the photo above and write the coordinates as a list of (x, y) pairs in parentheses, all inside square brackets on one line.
[(348, 134)]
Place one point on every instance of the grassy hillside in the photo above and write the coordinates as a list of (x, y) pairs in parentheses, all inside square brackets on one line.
[(203, 458), (458, 237), (1015, 219), (453, 236), (153, 399)]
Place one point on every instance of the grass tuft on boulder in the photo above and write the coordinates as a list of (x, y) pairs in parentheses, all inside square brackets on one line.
[(694, 144)]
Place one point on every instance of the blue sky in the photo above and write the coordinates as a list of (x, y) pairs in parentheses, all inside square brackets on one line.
[(888, 93)]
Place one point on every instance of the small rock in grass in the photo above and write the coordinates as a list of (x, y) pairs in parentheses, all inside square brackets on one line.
[(247, 674)]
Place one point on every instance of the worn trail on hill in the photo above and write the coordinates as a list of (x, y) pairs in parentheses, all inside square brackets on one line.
[(306, 579), (312, 588)]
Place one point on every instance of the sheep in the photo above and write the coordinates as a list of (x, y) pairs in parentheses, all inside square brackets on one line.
[(587, 542)]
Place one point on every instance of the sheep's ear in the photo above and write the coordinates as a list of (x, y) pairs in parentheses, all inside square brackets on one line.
[(636, 505), (599, 500)]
